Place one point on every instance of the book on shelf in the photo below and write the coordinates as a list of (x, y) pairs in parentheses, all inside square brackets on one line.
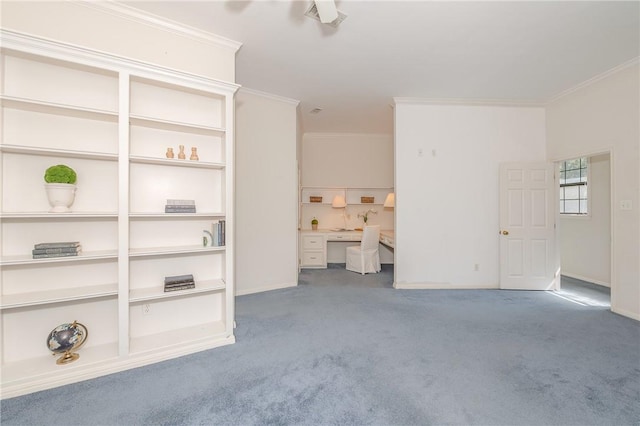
[(222, 236), (178, 279), (181, 287), (56, 250), (57, 245), (171, 202), (170, 285), (179, 209), (218, 232), (51, 255)]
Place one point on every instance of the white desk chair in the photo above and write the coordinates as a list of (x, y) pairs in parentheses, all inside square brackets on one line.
[(366, 257)]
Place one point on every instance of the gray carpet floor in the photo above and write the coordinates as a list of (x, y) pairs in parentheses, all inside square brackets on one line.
[(346, 349)]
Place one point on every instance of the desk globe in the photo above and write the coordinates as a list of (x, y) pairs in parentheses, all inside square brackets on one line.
[(66, 338)]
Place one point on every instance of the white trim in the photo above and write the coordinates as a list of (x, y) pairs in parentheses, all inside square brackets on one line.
[(270, 96), (470, 102), (444, 286), (90, 57), (586, 279), (346, 134), (628, 314), (515, 102), (266, 288), (595, 79), (146, 18)]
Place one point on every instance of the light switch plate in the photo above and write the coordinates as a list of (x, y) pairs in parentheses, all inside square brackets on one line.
[(626, 205)]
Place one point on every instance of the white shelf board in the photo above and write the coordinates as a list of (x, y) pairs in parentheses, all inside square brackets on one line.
[(45, 367), (70, 215), (27, 150), (21, 300), (84, 256), (175, 162), (143, 215), (60, 109), (178, 337), (154, 293), (161, 251), (175, 126)]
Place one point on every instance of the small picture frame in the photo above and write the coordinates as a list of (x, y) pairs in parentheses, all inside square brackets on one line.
[(367, 200), (315, 199)]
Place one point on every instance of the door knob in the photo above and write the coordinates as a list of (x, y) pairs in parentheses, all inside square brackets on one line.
[(505, 232)]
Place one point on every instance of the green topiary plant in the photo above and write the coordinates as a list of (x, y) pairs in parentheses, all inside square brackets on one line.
[(60, 174), (314, 221)]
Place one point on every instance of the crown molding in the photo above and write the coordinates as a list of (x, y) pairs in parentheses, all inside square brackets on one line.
[(269, 96), (595, 79), (468, 102), (138, 16), (343, 135), (95, 58)]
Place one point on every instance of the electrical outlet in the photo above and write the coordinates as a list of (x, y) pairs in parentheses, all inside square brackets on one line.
[(146, 309)]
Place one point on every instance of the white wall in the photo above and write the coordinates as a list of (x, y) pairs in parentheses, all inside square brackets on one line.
[(266, 192), (447, 188), (121, 30), (585, 241), (347, 160), (599, 117)]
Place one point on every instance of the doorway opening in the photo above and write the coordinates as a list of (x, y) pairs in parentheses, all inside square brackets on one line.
[(584, 229)]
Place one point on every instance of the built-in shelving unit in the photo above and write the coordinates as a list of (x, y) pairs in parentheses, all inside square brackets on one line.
[(353, 196), (111, 120)]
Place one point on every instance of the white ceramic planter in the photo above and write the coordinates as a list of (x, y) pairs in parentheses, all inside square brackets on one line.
[(61, 196)]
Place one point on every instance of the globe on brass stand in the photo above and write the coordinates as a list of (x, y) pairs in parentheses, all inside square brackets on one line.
[(66, 338)]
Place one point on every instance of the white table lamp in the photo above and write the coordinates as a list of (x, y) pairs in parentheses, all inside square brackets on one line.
[(390, 201), (340, 203)]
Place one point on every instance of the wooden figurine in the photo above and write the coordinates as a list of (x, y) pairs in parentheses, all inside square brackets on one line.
[(194, 154), (170, 153), (181, 155)]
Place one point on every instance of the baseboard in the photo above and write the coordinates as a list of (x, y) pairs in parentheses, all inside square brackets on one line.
[(263, 289), (443, 286), (587, 279), (625, 313)]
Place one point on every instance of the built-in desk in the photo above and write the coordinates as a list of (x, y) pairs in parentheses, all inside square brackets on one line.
[(313, 244)]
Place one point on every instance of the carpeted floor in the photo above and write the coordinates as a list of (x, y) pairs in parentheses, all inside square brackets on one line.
[(343, 349)]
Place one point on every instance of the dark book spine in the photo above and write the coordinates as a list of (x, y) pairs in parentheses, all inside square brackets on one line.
[(182, 287), (179, 210), (56, 250), (179, 284), (178, 278), (56, 245), (45, 256), (173, 283), (171, 202)]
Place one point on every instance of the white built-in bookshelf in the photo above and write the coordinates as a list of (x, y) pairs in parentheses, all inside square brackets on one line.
[(111, 120)]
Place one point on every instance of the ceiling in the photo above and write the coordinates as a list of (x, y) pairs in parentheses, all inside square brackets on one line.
[(479, 51)]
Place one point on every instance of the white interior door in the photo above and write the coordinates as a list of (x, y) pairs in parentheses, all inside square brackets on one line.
[(528, 254)]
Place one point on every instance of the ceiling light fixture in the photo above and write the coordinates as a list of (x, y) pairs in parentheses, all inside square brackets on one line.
[(325, 11)]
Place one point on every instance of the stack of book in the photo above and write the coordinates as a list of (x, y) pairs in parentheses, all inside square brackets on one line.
[(179, 282), (180, 206), (56, 249), (218, 233)]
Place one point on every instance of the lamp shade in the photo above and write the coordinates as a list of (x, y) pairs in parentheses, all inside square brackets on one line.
[(339, 202), (390, 201)]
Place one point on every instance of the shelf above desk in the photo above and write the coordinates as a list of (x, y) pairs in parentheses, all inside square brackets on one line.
[(353, 196)]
